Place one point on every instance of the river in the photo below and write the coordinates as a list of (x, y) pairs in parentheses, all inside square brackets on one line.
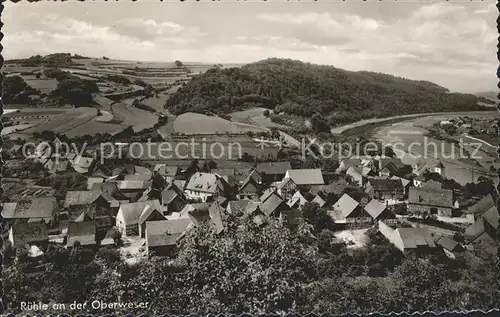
[(408, 137)]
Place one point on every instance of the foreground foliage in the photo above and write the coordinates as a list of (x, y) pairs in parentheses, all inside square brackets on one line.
[(262, 269)]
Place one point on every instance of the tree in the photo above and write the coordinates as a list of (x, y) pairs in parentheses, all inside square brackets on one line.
[(266, 113), (178, 63), (75, 91)]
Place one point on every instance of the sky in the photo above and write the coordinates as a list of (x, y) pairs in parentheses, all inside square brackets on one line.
[(450, 43)]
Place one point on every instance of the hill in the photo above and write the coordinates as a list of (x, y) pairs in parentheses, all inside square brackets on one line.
[(327, 95)]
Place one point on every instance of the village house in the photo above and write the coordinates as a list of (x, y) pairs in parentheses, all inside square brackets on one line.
[(297, 200), (169, 173), (379, 211), (198, 212), (405, 182), (271, 172), (483, 232), (391, 191), (204, 186), (432, 184), (90, 205), (56, 165), (424, 201), (253, 210), (391, 166), (481, 206), (449, 246), (320, 200), (286, 188), (82, 164), (133, 189), (419, 180), (425, 166), (408, 239), (345, 164), (272, 204), (305, 177), (150, 213), (250, 189), (172, 199), (83, 233), (43, 209), (162, 236), (348, 210), (357, 176), (29, 233), (128, 216)]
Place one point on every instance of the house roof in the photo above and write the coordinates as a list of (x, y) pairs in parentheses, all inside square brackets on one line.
[(198, 213), (137, 177), (30, 231), (375, 208), (35, 207), (272, 203), (91, 181), (306, 176), (335, 187), (482, 205), (223, 171), (319, 200), (166, 170), (80, 197), (132, 211), (414, 237), (431, 197), (447, 243), (168, 195), (84, 232), (384, 161), (346, 204), (404, 181), (203, 182), (249, 185), (386, 184), (148, 210), (165, 232), (58, 165), (215, 211), (273, 168), (351, 162), (133, 184)]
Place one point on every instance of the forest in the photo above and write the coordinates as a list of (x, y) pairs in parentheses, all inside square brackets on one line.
[(291, 87)]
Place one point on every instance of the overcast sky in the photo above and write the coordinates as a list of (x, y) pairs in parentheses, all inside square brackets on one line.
[(452, 44)]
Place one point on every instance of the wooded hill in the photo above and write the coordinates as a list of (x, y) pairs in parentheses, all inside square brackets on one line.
[(292, 87)]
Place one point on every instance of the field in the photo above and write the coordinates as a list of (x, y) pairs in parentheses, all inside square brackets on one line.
[(45, 86), (255, 116), (195, 123), (130, 116), (66, 121)]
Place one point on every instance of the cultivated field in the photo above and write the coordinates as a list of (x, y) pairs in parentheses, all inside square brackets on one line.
[(46, 86), (255, 116), (195, 123), (136, 118)]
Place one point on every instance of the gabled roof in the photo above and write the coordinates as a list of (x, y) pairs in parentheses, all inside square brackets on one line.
[(375, 208), (167, 170), (203, 182), (415, 237), (35, 207), (168, 195), (255, 175), (351, 162), (215, 212), (148, 210), (273, 168), (482, 205), (137, 177), (273, 203), (404, 181), (249, 186), (318, 200), (165, 232), (396, 162), (132, 211), (223, 171), (447, 243), (346, 205), (80, 197), (133, 184), (198, 213), (84, 232), (431, 197), (91, 181), (306, 176)]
